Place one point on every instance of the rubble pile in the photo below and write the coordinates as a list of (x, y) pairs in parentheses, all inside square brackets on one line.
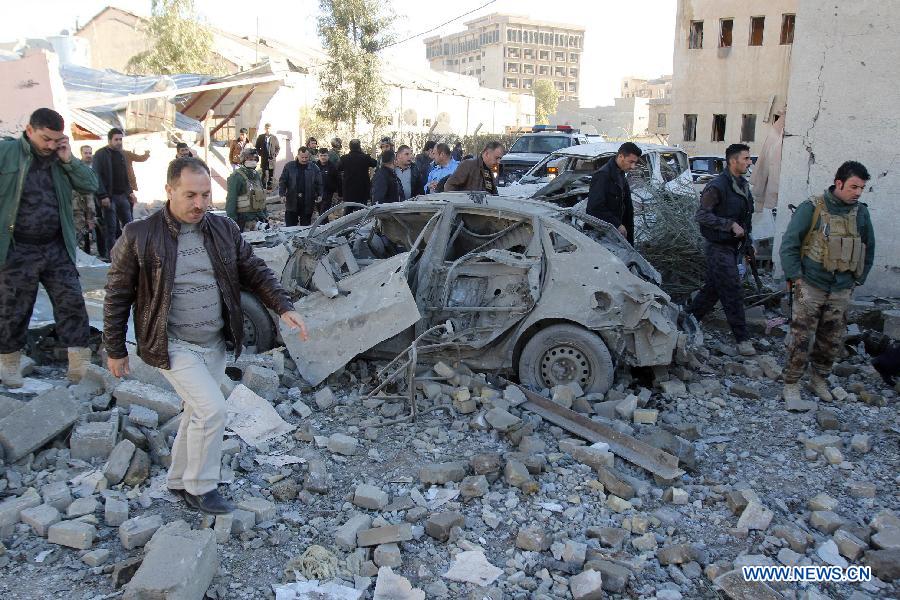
[(485, 499)]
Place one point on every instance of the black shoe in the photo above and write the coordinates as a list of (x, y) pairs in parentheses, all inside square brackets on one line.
[(885, 372), (211, 502)]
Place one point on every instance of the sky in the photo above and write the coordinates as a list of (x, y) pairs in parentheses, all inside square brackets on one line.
[(632, 38)]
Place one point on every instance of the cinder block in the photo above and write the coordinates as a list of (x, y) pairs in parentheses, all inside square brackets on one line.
[(166, 404), (94, 440), (38, 422), (73, 534)]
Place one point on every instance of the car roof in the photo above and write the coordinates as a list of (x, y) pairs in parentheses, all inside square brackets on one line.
[(706, 157), (513, 204), (600, 148)]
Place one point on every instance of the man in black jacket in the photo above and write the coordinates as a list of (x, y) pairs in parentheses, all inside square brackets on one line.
[(300, 185), (386, 186), (408, 172), (353, 168), (268, 148), (425, 159), (115, 192), (725, 216), (331, 186), (609, 198)]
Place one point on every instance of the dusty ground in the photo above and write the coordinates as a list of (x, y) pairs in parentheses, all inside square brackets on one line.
[(745, 440)]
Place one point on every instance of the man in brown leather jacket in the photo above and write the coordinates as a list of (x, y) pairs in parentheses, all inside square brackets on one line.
[(182, 269), (477, 174)]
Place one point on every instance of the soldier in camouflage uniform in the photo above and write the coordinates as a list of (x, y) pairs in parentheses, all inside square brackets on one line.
[(827, 250), (83, 208), (37, 241)]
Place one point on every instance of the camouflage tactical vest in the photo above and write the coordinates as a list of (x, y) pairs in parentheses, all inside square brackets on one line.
[(254, 199), (834, 240)]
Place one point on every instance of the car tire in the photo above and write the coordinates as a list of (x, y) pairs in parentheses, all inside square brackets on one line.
[(259, 330), (562, 354)]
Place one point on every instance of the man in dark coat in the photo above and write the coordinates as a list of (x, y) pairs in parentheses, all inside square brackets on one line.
[(411, 179), (268, 148), (386, 186), (300, 185), (477, 174), (331, 186), (609, 198), (425, 158), (353, 168)]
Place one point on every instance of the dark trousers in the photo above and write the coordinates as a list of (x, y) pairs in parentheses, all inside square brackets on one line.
[(248, 221), (115, 217), (292, 218), (722, 284), (48, 264), (268, 172), (84, 239)]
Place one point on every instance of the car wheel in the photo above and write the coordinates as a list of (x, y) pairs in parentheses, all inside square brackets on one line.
[(562, 354), (259, 330)]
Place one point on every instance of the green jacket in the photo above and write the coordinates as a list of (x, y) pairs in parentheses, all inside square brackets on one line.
[(812, 272), (237, 186), (15, 160)]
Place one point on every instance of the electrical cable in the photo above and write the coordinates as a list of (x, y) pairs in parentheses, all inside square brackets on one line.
[(486, 4)]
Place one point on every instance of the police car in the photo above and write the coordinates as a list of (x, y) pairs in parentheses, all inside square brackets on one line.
[(533, 147)]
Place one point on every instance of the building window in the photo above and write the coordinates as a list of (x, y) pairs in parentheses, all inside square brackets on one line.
[(573, 72), (426, 122), (528, 54), (718, 128), (757, 26), (543, 55), (573, 57), (560, 86), (787, 29), (512, 67), (512, 82), (726, 26), (559, 72), (748, 128), (695, 41), (690, 128), (527, 84), (573, 87), (661, 120), (528, 69), (559, 56), (543, 70)]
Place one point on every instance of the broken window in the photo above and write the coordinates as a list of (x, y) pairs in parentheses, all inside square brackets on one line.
[(661, 120), (695, 40), (787, 29), (690, 128), (718, 128), (757, 26), (748, 128), (726, 26)]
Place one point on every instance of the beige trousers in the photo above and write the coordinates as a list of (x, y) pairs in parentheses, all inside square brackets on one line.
[(196, 373)]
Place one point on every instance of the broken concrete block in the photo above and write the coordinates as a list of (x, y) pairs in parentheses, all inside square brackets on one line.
[(474, 486), (673, 387), (11, 508), (516, 474), (645, 416), (733, 584), (387, 555), (369, 496), (325, 398), (587, 585), (81, 507), (115, 512), (502, 420), (828, 552), (301, 409), (94, 439), (224, 524), (384, 535), (37, 422), (118, 462), (886, 539), (833, 455), (848, 544), (826, 521), (260, 507), (9, 405), (143, 416), (242, 520), (676, 496), (514, 396), (139, 468), (137, 531), (820, 442), (563, 395), (617, 504), (822, 501), (72, 534), (178, 565), (594, 456), (345, 535), (444, 370), (755, 516), (57, 494), (159, 449), (441, 473), (861, 443), (104, 380), (676, 554), (644, 543), (794, 536), (389, 586), (533, 538), (261, 380), (862, 489), (885, 564), (40, 518), (615, 576), (95, 558), (342, 444), (439, 525), (166, 404), (625, 408), (615, 483)]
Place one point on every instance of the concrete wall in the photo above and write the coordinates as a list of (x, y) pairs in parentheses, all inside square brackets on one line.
[(843, 105), (733, 81), (28, 84), (124, 29), (627, 118)]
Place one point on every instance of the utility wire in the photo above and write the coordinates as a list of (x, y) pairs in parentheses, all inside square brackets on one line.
[(438, 26)]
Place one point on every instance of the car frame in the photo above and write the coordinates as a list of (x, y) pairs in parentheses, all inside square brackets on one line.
[(526, 288)]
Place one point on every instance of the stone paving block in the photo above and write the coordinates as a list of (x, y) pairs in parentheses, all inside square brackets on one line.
[(95, 558), (384, 535), (178, 565), (81, 507), (261, 380), (94, 439), (119, 461), (345, 535), (301, 409), (57, 494), (39, 421), (324, 398), (223, 526), (587, 585), (105, 380), (143, 416), (242, 520), (9, 405), (387, 555), (139, 468), (261, 508), (343, 444), (40, 518), (115, 512), (441, 473), (11, 508), (167, 404), (137, 531), (439, 525), (369, 496), (73, 534)]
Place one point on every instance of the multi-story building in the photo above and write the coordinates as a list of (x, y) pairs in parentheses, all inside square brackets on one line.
[(511, 53), (731, 70), (635, 87)]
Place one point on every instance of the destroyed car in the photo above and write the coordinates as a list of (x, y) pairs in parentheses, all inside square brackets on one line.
[(522, 287), (564, 177), (532, 147)]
